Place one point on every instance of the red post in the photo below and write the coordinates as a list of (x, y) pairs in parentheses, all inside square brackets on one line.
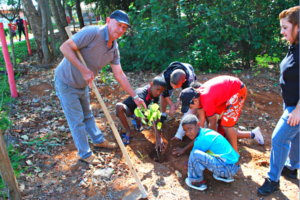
[(9, 68), (27, 38), (68, 19), (97, 20)]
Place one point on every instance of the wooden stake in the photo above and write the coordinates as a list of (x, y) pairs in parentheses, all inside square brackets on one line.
[(7, 172), (113, 127)]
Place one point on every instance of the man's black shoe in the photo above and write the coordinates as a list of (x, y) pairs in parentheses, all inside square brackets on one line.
[(289, 173), (268, 187), (163, 118)]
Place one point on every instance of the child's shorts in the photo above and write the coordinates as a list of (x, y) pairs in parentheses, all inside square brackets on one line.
[(127, 112), (234, 108), (13, 34)]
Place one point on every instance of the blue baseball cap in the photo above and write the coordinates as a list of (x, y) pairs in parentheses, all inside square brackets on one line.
[(120, 16)]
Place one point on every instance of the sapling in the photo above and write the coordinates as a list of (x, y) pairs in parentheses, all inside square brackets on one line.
[(152, 114)]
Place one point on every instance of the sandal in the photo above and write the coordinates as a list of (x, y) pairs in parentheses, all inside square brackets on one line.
[(139, 127), (127, 138)]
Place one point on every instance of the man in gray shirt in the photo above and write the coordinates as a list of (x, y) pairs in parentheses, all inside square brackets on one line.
[(98, 47)]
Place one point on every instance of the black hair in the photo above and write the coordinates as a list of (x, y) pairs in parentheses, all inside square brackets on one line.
[(177, 75), (189, 119), (159, 81), (195, 84)]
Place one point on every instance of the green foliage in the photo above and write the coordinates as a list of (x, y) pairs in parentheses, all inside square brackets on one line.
[(5, 99), (157, 40), (264, 61), (15, 158), (210, 35), (21, 52), (152, 114), (104, 75)]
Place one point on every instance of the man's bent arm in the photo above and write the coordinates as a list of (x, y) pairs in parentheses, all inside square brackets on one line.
[(68, 48)]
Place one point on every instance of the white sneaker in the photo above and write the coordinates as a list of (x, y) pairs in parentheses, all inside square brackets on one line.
[(197, 186), (226, 180), (258, 136)]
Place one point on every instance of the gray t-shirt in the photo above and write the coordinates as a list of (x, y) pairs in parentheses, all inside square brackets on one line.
[(92, 43)]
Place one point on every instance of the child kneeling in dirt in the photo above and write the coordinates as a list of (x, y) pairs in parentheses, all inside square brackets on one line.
[(212, 151), (222, 94), (149, 93)]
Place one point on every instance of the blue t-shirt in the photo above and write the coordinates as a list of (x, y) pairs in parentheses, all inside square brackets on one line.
[(213, 143)]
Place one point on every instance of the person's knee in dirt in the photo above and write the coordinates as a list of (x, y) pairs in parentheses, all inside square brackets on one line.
[(210, 150), (149, 93), (222, 94), (176, 75)]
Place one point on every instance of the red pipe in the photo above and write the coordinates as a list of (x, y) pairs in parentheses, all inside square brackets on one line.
[(27, 38), (68, 20), (9, 68)]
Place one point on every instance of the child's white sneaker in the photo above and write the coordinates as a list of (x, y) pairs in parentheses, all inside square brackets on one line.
[(224, 179), (196, 185), (258, 136)]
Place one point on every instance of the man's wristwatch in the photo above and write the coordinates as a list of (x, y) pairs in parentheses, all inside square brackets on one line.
[(134, 98)]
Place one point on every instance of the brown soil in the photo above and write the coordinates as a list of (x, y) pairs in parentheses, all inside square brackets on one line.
[(63, 171)]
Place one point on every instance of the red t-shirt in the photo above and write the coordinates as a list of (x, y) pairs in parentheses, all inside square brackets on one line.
[(216, 92)]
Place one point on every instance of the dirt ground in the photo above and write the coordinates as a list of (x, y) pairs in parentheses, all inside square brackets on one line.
[(55, 171)]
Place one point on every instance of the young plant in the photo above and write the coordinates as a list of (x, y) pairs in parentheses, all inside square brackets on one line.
[(152, 114), (143, 157)]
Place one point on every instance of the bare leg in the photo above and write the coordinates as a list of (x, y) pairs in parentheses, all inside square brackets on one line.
[(231, 137), (243, 134), (121, 114), (163, 104)]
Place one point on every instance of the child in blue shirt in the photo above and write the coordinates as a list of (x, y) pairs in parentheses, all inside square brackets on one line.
[(212, 151)]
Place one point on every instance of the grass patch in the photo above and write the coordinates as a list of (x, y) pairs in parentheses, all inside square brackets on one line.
[(5, 98), (15, 158), (5, 122), (21, 52)]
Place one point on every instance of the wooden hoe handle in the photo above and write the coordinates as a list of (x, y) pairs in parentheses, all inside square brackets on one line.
[(113, 127)]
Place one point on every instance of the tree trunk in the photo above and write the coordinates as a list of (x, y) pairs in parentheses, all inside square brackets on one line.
[(79, 14), (50, 27), (45, 45), (7, 172), (36, 24), (60, 27), (62, 12), (12, 48), (64, 4)]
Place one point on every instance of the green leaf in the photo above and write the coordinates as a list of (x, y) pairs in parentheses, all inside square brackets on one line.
[(159, 124), (144, 122), (138, 113)]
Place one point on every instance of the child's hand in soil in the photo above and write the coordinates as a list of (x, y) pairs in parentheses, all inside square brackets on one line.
[(160, 143), (178, 151), (172, 109)]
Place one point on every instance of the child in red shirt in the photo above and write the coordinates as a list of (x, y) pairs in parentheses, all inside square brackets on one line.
[(220, 95)]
